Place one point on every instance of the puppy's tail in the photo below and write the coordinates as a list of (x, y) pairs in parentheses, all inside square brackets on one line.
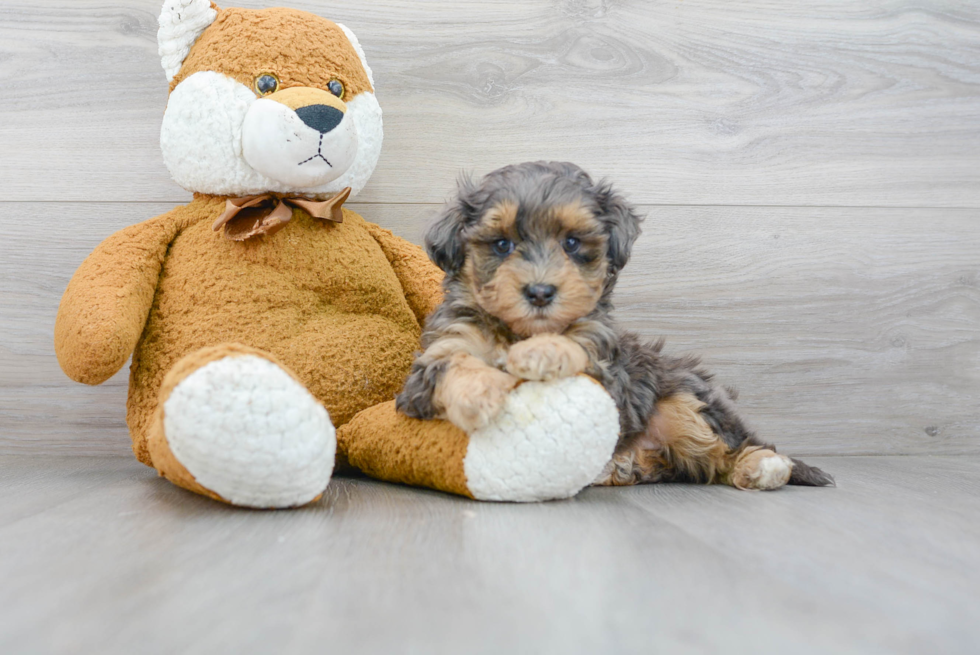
[(809, 476)]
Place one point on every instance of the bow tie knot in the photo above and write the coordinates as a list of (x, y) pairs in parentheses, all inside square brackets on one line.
[(253, 216)]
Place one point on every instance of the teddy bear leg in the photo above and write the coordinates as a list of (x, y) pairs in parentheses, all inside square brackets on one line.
[(550, 440), (236, 425)]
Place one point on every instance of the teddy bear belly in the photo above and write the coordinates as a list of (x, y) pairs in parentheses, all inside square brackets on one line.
[(321, 297), (347, 361)]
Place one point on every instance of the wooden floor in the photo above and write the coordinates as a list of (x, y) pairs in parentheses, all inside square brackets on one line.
[(811, 175), (100, 555)]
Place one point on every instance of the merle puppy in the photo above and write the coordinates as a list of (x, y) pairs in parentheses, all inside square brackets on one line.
[(531, 256)]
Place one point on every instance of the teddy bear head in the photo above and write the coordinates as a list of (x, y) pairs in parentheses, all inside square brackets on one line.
[(274, 100)]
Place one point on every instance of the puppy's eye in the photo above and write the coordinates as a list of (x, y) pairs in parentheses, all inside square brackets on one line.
[(266, 84), (503, 247), (571, 245), (336, 88)]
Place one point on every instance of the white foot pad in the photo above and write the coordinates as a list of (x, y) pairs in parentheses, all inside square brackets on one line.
[(551, 440), (249, 432), (772, 473)]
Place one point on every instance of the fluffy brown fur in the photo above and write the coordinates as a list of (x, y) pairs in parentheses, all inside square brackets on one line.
[(531, 256), (309, 52)]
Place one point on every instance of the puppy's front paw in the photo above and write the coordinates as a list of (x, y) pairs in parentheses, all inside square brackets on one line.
[(546, 357), (476, 398)]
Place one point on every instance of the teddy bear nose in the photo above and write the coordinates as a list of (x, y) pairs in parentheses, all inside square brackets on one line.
[(540, 295), (321, 118)]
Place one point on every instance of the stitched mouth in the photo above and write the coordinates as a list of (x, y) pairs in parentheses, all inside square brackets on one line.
[(318, 155)]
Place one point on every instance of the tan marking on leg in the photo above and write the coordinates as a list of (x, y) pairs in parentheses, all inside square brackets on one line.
[(464, 337), (636, 461), (460, 338), (679, 440), (695, 449), (471, 393), (546, 357), (691, 444)]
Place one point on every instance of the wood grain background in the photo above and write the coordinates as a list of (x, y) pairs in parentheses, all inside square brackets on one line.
[(810, 172)]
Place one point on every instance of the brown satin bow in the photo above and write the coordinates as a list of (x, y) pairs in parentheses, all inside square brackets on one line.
[(252, 216)]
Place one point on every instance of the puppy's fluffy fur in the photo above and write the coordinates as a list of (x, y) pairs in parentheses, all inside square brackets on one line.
[(531, 256)]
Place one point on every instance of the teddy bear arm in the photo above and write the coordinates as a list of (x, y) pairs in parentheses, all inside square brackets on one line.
[(105, 307), (421, 280)]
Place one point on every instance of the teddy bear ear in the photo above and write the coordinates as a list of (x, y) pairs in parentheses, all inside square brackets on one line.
[(359, 50), (181, 22)]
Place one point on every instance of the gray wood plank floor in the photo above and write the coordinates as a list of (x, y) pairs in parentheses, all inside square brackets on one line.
[(100, 555)]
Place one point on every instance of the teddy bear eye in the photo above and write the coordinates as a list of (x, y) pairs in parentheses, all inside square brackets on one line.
[(266, 84), (336, 88), (503, 247)]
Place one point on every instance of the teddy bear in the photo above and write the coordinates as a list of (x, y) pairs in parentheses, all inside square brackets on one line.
[(269, 326)]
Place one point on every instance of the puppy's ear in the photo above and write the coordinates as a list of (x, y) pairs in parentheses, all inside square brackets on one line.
[(622, 225), (444, 238)]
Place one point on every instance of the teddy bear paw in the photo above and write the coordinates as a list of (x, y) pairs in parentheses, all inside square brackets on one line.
[(550, 440), (251, 433)]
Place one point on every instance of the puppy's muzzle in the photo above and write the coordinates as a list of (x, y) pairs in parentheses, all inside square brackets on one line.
[(540, 295)]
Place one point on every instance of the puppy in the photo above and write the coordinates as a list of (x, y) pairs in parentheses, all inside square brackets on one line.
[(531, 256)]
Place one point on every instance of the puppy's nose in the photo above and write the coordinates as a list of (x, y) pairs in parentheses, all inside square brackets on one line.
[(321, 118), (540, 295)]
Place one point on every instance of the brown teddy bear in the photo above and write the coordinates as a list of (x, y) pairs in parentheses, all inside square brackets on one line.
[(263, 315)]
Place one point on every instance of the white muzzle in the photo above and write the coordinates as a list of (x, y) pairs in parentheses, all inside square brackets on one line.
[(303, 148)]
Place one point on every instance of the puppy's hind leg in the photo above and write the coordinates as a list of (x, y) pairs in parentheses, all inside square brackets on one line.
[(636, 460), (679, 444), (674, 446), (701, 454)]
